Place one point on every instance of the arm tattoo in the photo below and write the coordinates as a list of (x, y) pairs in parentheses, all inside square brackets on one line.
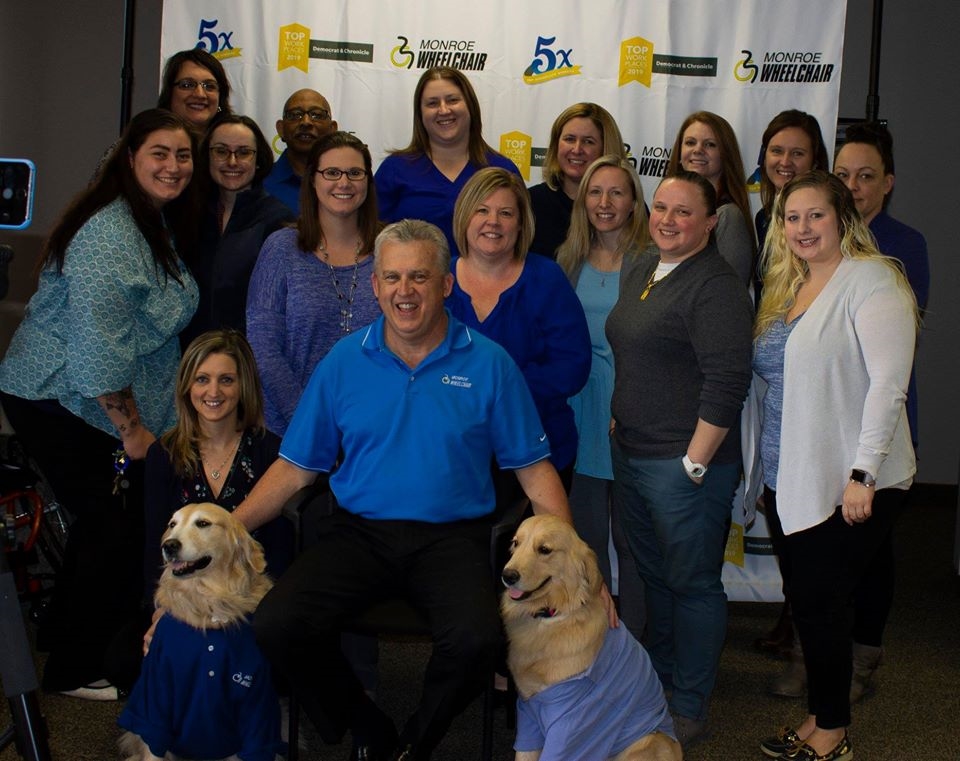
[(119, 401)]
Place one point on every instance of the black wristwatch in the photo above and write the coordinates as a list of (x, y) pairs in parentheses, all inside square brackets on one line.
[(862, 477)]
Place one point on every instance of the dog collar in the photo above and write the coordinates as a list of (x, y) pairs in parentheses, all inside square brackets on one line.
[(545, 613)]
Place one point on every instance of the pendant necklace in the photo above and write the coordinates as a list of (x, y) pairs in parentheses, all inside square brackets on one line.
[(345, 300), (215, 473)]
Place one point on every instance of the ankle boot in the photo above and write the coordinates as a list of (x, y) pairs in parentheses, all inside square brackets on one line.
[(866, 659), (792, 683)]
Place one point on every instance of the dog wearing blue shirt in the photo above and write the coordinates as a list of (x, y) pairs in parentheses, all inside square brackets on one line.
[(205, 691), (585, 691)]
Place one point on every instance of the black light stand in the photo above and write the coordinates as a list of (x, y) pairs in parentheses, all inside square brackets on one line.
[(29, 730)]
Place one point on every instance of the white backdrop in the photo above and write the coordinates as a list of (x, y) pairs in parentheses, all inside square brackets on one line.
[(649, 62)]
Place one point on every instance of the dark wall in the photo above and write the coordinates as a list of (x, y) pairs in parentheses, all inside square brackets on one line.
[(59, 105)]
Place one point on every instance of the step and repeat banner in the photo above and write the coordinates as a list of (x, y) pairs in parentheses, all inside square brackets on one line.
[(649, 62)]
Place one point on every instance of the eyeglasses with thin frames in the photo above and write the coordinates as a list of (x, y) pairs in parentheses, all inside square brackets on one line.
[(354, 174), (208, 85), (243, 155), (297, 115)]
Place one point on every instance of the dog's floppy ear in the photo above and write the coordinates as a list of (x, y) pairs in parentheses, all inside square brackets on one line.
[(587, 570), (248, 550)]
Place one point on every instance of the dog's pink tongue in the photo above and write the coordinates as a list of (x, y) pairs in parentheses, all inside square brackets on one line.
[(515, 594)]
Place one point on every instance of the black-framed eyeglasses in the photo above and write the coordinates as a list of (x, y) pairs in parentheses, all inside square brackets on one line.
[(297, 114), (208, 85), (243, 155), (354, 174)]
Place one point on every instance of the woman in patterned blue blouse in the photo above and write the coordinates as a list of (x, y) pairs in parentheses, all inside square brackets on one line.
[(89, 375)]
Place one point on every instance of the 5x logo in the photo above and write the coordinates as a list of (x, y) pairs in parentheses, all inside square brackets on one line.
[(217, 44), (549, 63)]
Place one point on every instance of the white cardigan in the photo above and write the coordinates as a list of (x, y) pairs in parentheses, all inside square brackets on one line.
[(846, 368)]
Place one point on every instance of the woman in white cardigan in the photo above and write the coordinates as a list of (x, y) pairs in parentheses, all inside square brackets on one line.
[(835, 336)]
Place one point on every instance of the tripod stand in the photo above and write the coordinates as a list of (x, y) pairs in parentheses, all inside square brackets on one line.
[(29, 730)]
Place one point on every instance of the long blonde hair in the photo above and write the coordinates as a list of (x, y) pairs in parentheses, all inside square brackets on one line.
[(602, 120), (784, 272), (634, 236), (183, 440)]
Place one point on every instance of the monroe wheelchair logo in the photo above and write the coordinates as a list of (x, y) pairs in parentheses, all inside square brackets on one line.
[(745, 69), (402, 56)]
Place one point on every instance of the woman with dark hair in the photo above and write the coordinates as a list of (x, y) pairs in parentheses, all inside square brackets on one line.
[(791, 144), (680, 334), (706, 144), (522, 301), (581, 133), (195, 87), (88, 375), (423, 180), (235, 158), (833, 350), (311, 285)]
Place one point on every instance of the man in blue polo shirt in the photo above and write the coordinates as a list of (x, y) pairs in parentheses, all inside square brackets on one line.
[(416, 406), (306, 118)]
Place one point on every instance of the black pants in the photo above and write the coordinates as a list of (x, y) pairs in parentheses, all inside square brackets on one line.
[(100, 585), (827, 564), (443, 569)]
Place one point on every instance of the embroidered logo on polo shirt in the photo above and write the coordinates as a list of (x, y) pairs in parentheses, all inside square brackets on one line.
[(461, 381), (244, 680)]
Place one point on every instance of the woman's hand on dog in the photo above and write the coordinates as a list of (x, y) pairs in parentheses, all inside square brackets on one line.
[(609, 606), (148, 637)]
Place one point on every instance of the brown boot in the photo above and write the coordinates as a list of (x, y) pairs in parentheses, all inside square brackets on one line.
[(866, 659), (792, 683)]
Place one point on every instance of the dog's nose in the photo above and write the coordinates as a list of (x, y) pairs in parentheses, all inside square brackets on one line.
[(509, 576), (171, 547)]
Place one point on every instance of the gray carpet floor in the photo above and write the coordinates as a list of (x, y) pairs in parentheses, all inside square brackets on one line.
[(913, 716)]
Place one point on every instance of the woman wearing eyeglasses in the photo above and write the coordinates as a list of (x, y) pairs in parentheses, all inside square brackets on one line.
[(195, 87), (311, 285), (239, 215)]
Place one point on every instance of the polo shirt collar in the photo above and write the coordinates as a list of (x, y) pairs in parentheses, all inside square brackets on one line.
[(458, 337)]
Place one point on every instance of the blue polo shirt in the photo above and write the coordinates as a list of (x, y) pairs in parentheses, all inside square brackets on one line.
[(598, 713), (205, 694), (417, 444), (283, 184)]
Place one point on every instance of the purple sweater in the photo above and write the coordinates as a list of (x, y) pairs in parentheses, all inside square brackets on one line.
[(293, 318)]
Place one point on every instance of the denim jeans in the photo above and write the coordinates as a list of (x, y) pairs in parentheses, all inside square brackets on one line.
[(677, 531)]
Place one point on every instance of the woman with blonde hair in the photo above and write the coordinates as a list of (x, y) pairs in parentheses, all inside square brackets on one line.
[(706, 144), (423, 180), (522, 301), (833, 351), (608, 232), (580, 134)]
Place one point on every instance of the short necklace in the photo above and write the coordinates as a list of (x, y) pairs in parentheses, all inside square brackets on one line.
[(346, 301), (215, 473)]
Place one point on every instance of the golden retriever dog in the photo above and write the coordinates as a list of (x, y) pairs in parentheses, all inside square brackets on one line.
[(205, 691), (586, 691)]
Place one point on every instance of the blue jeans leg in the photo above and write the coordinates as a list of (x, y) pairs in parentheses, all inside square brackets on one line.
[(677, 531)]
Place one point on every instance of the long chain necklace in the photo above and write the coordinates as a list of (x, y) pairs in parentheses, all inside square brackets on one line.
[(345, 300), (215, 473)]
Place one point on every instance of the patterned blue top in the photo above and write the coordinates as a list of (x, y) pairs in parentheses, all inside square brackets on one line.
[(768, 354), (108, 322)]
